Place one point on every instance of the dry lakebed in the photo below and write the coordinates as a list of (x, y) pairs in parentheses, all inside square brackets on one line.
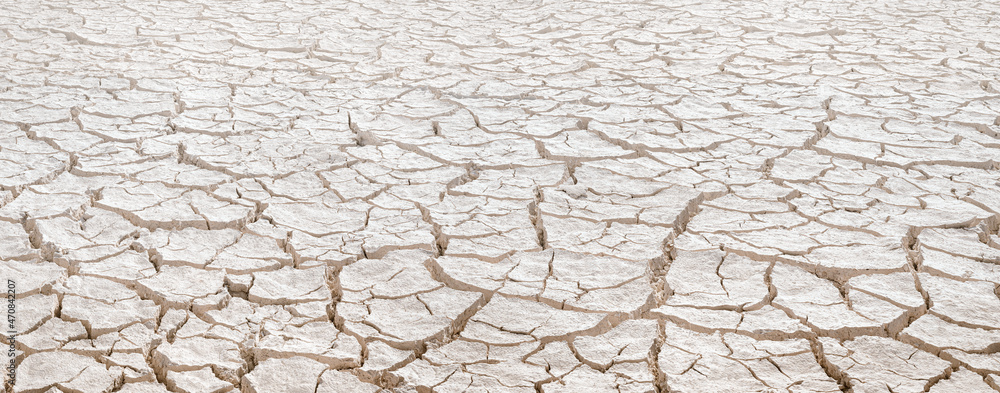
[(537, 196)]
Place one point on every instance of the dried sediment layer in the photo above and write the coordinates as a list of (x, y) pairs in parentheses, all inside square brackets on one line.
[(547, 196)]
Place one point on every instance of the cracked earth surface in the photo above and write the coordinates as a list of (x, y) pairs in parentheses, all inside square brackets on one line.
[(526, 196)]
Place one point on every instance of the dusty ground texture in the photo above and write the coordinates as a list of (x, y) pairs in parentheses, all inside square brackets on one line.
[(492, 196)]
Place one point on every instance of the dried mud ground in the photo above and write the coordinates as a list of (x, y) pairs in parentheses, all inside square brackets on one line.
[(501, 196)]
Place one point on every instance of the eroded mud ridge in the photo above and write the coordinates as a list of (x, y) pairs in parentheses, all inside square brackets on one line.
[(491, 196)]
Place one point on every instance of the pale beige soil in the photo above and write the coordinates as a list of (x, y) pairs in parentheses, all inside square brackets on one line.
[(501, 196)]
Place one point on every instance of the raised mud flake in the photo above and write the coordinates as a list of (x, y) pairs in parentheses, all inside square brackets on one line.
[(879, 364), (933, 334), (196, 327), (180, 174), (813, 243), (195, 353), (668, 207), (143, 387), (104, 306), (497, 237), (98, 234), (32, 277), (656, 136), (15, 243), (154, 205), (201, 380), (422, 374), (629, 177), (576, 201), (52, 335), (319, 219), (697, 362), (947, 265), (716, 279), (296, 374), (962, 380), (960, 243), (943, 211), (136, 338), (396, 300), (24, 161), (66, 195), (396, 229), (630, 342), (557, 357), (818, 302), (350, 184), (179, 287), (801, 165), (333, 381), (475, 365), (66, 371), (383, 358), (132, 104), (338, 249), (264, 153), (881, 257), (590, 380), (187, 246), (556, 277), (111, 158), (320, 341), (125, 268), (636, 242), (888, 298), (375, 177), (32, 312), (967, 303), (289, 286), (298, 186), (509, 320), (40, 204), (134, 366), (766, 322), (519, 183), (494, 153), (249, 254), (487, 228), (716, 220), (238, 321), (582, 146), (393, 156), (229, 249), (65, 135)]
